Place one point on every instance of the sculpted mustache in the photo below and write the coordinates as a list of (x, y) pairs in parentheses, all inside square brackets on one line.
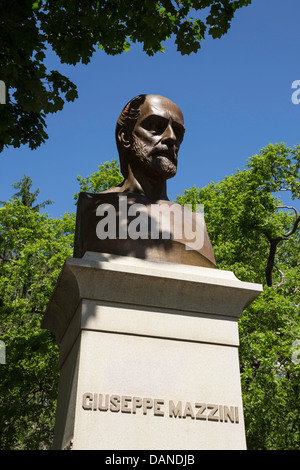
[(169, 153)]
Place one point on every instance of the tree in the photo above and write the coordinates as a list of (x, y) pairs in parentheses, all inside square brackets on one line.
[(33, 248), (269, 333), (246, 216), (107, 176), (75, 29), (26, 196)]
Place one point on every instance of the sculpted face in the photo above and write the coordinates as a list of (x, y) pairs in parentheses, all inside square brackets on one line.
[(156, 137)]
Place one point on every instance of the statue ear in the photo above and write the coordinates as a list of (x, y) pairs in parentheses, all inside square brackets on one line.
[(124, 138)]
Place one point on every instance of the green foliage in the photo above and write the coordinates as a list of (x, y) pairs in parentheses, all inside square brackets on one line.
[(74, 29), (33, 248), (270, 379), (246, 217), (26, 196), (106, 177), (32, 91)]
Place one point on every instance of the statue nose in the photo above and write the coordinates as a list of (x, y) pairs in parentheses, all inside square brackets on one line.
[(169, 135)]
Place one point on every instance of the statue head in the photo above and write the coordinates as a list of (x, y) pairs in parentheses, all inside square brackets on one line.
[(149, 132)]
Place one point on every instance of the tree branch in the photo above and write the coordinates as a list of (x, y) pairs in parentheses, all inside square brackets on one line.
[(271, 259), (295, 226), (273, 247), (283, 279), (296, 223)]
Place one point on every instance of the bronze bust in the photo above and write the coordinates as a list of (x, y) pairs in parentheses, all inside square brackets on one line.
[(149, 132)]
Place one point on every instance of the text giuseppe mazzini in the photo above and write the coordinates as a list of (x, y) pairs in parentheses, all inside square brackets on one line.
[(159, 407)]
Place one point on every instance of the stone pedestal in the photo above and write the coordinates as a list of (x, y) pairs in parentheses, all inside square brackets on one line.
[(148, 355)]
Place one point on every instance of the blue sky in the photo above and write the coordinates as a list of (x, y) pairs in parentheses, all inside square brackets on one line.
[(235, 94)]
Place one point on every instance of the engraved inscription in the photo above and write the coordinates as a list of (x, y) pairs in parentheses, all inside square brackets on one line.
[(160, 407)]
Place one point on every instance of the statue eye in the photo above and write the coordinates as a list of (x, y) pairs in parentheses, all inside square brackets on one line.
[(179, 131), (155, 124)]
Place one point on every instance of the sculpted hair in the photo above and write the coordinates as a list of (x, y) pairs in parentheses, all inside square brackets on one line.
[(126, 122)]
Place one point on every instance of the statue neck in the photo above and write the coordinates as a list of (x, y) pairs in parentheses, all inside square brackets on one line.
[(137, 182)]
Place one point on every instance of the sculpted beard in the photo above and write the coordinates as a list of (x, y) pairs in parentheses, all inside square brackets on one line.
[(159, 164)]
